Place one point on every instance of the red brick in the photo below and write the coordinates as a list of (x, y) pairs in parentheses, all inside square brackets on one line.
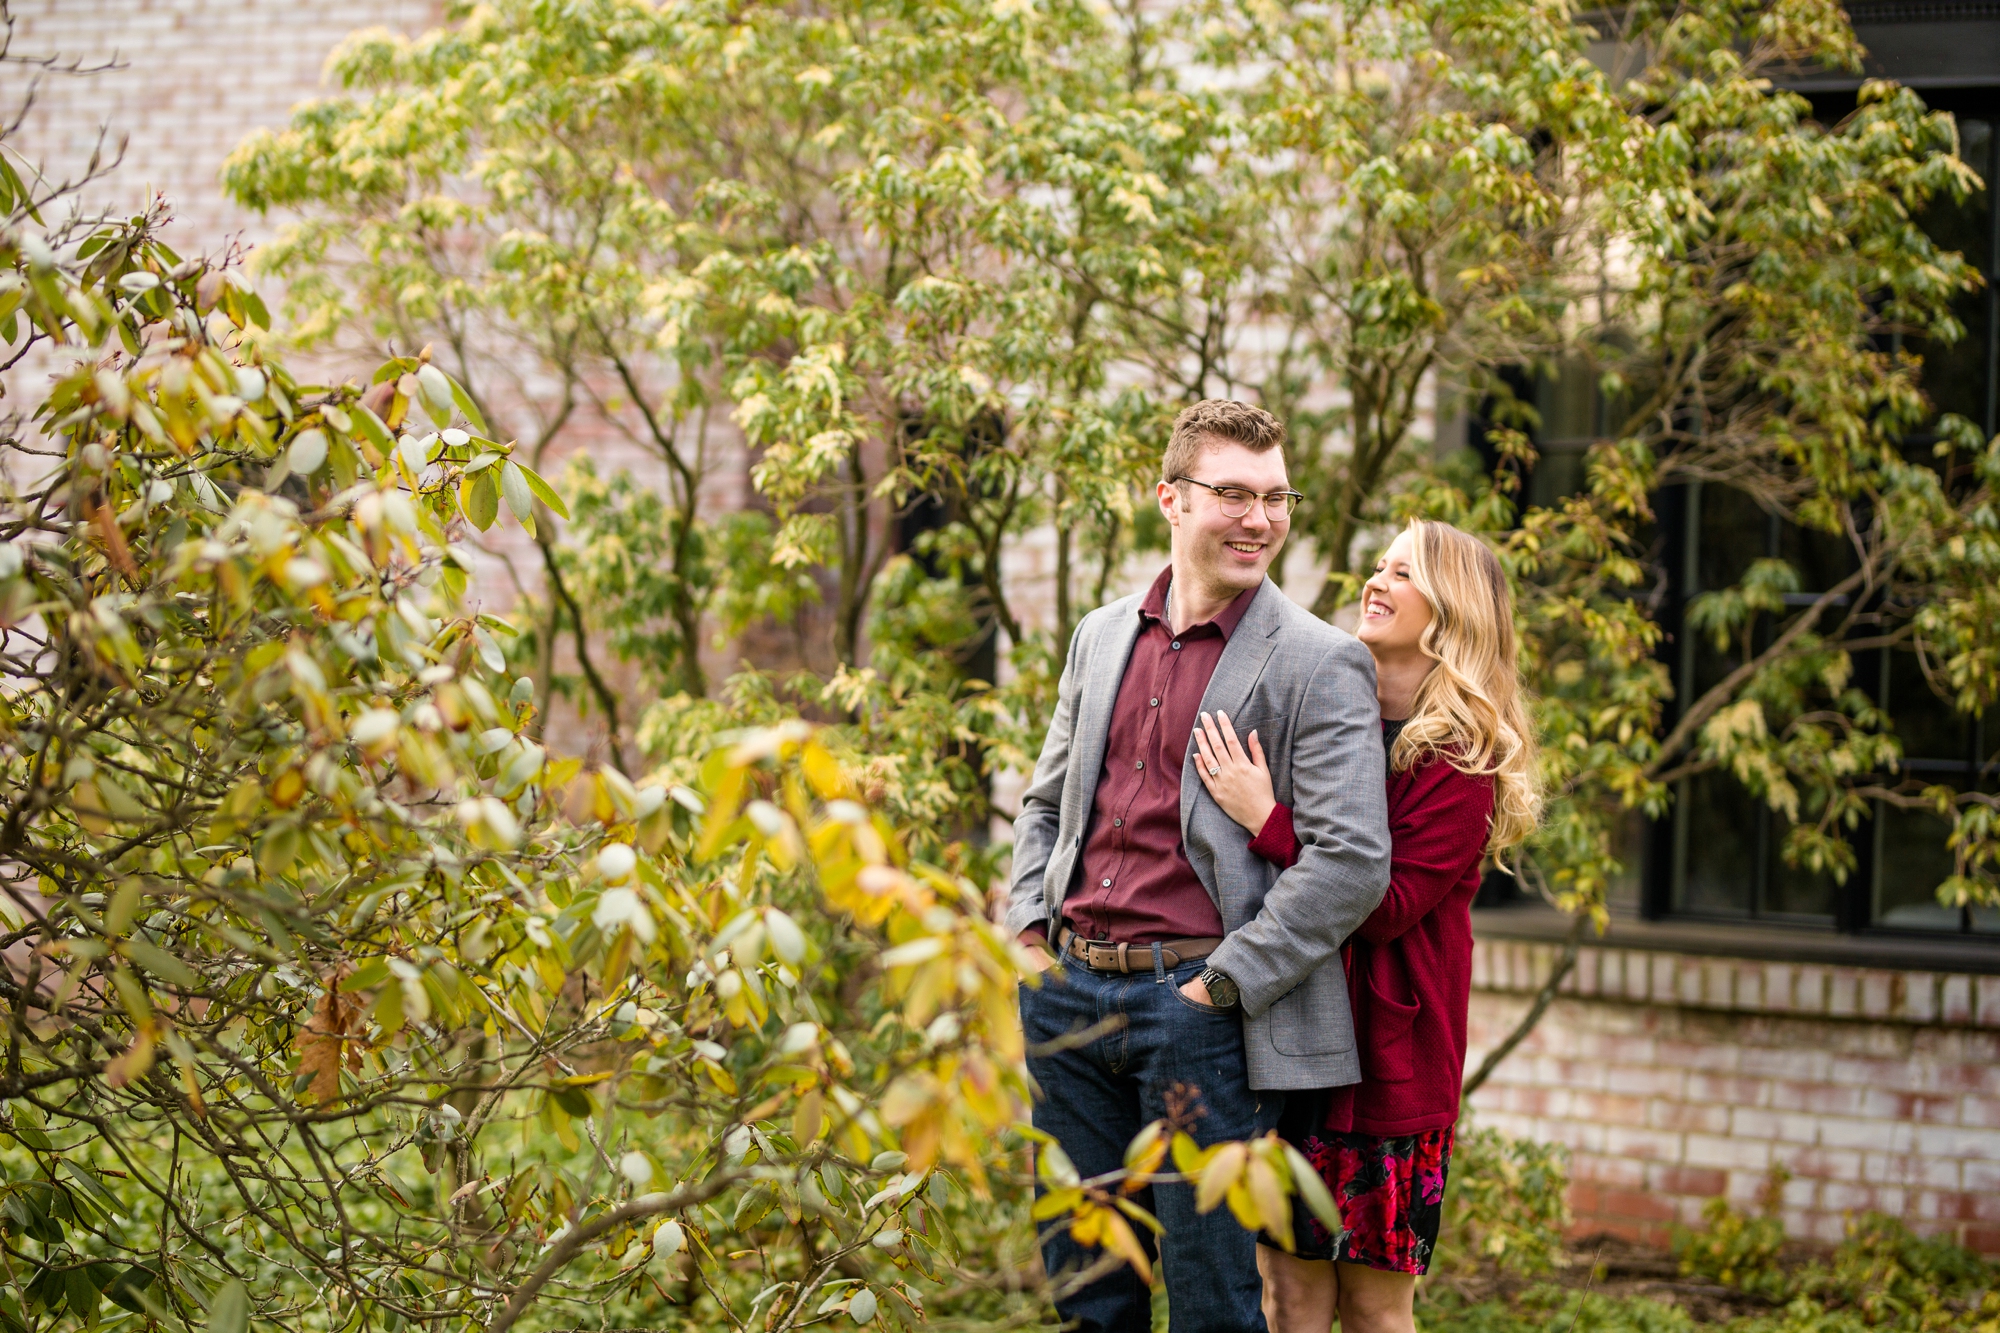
[(1720, 1150), (1645, 1081), (1701, 1182), (1688, 1117), (1816, 1098), (1634, 1205), (1729, 1090), (1620, 1172), (1807, 1066), (1626, 1141), (1604, 1109), (1955, 1000), (1879, 1135), (1987, 1011), (1878, 994), (1985, 1240), (1917, 997), (1823, 1163), (1933, 1110), (1867, 1073)]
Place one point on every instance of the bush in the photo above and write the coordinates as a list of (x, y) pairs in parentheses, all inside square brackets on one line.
[(1506, 1203), (1735, 1250)]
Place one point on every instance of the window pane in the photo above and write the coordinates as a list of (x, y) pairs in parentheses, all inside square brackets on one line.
[(1558, 474), (1821, 558), (1955, 376), (1734, 532), (1567, 404), (1913, 861), (1721, 834), (1929, 727), (1794, 891)]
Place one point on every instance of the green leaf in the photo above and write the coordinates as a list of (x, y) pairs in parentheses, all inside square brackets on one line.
[(1312, 1190), (125, 1289), (160, 963), (18, 190), (253, 306), (229, 1312), (370, 425), (81, 1294), (32, 1137), (479, 499), (466, 408), (368, 976), (436, 390), (544, 492), (514, 485)]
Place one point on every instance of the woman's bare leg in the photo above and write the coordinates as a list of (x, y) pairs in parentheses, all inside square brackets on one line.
[(1371, 1301), (1299, 1294)]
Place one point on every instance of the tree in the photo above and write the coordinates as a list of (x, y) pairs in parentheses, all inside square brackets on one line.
[(334, 1001), (977, 254)]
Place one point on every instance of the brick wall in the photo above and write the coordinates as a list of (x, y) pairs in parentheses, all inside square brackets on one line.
[(1673, 1079), (195, 77)]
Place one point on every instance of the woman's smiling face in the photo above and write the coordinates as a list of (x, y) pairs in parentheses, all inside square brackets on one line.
[(1394, 614)]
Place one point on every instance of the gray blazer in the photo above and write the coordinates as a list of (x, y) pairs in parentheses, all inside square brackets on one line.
[(1309, 691)]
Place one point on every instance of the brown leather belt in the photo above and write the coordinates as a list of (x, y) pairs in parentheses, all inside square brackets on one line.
[(1106, 956)]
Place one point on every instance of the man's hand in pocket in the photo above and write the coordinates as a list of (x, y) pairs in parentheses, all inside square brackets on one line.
[(1040, 959)]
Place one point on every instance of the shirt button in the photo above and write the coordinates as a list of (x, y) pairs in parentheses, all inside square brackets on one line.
[(1140, 764), (1107, 884), (1117, 823), (1177, 645), (1155, 703)]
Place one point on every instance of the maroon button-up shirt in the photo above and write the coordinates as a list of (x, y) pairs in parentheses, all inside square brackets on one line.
[(1136, 884)]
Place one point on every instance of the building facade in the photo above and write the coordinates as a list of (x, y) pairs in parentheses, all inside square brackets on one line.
[(1744, 1021), (1741, 1021)]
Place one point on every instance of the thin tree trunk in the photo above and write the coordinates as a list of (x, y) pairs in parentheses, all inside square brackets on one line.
[(606, 700), (1065, 613), (1543, 999)]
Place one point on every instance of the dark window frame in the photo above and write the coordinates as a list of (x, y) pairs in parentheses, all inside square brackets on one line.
[(1871, 897)]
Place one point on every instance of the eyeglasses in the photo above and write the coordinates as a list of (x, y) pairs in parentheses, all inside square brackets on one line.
[(1235, 502)]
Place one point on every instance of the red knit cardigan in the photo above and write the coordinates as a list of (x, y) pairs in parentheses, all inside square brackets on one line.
[(1409, 966)]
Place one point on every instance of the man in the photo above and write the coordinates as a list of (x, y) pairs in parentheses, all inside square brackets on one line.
[(1213, 980)]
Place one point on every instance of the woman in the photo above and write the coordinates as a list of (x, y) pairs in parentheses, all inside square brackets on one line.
[(1437, 617)]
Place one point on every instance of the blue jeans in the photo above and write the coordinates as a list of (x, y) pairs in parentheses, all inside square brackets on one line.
[(1171, 1059)]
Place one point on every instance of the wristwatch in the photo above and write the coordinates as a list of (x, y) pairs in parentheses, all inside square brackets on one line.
[(1222, 992)]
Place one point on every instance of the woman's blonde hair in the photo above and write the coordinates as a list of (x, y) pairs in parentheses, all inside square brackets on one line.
[(1470, 709)]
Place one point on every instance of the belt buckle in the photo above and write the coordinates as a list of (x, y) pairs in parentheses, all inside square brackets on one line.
[(1106, 956)]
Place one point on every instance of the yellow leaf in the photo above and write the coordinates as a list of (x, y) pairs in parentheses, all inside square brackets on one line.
[(1223, 1168), (1243, 1206), (1274, 1210), (1116, 1236), (809, 1117), (1055, 1203), (822, 770), (1144, 1155)]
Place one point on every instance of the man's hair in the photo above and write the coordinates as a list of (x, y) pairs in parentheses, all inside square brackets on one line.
[(1214, 421)]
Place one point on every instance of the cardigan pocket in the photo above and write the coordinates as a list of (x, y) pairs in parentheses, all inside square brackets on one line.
[(1385, 1037)]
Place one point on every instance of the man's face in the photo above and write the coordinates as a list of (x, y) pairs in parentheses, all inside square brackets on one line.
[(1223, 552)]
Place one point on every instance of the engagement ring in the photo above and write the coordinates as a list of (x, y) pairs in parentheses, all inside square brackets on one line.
[(1215, 770)]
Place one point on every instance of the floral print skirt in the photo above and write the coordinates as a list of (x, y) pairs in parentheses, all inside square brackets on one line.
[(1390, 1192)]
